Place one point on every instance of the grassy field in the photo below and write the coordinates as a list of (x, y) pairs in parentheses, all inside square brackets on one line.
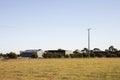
[(60, 69)]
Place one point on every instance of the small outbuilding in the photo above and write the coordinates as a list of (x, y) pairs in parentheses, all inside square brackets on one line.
[(30, 53)]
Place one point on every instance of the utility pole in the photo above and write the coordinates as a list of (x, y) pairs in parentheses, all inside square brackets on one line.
[(89, 42)]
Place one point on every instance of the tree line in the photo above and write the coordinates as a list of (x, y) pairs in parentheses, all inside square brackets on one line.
[(11, 55), (96, 52)]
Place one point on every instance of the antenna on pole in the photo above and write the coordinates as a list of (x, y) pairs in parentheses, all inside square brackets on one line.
[(89, 42)]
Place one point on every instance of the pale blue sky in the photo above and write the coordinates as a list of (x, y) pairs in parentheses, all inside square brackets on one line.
[(53, 24)]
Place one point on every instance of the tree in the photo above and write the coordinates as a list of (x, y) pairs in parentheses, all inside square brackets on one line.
[(99, 54), (76, 51), (111, 52), (114, 55), (52, 55), (92, 54), (34, 55), (67, 56), (77, 54), (112, 49), (85, 55), (11, 55), (85, 50), (118, 53), (96, 50), (0, 55), (5, 55)]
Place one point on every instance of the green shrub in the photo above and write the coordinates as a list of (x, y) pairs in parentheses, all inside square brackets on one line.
[(34, 56), (11, 55)]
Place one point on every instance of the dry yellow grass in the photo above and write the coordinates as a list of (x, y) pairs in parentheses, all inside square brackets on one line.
[(60, 69)]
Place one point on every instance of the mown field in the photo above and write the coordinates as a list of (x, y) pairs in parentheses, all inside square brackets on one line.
[(60, 69)]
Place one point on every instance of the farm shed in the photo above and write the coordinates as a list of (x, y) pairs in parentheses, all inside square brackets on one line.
[(29, 53)]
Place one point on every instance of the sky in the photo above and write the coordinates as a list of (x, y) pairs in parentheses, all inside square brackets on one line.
[(54, 24)]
